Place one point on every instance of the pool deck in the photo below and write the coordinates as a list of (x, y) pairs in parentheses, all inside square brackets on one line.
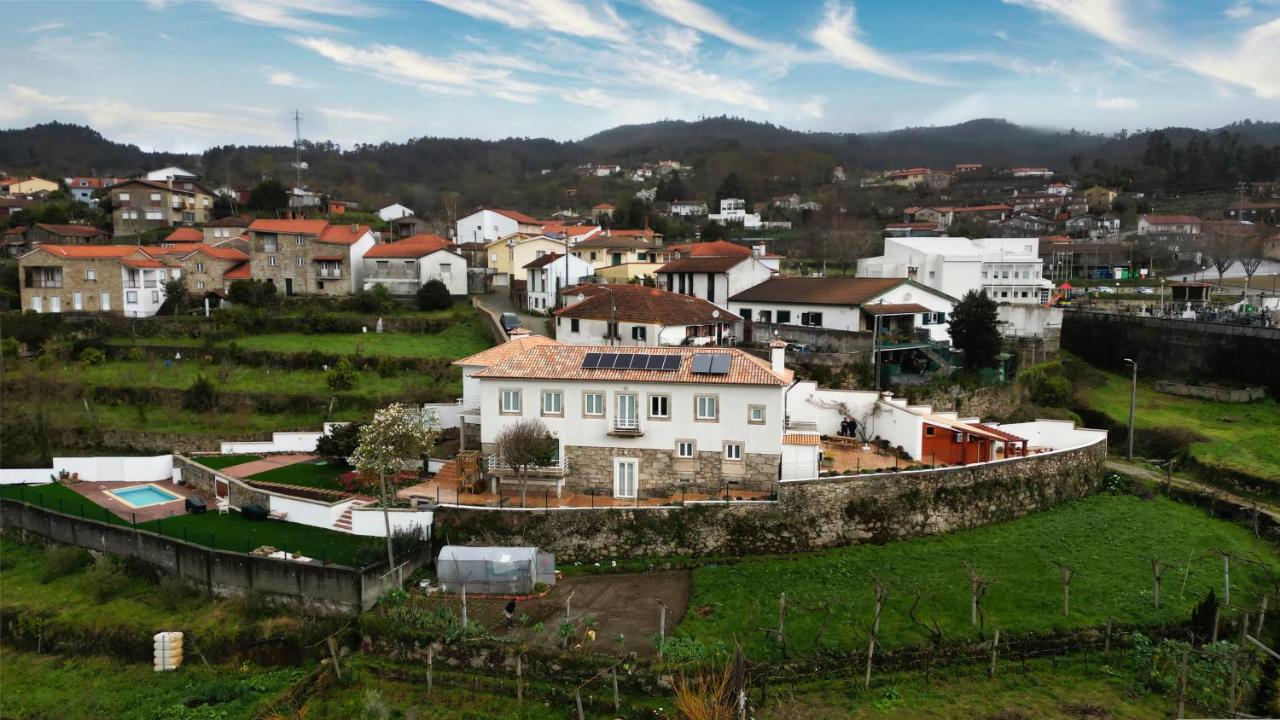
[(98, 494), (270, 462)]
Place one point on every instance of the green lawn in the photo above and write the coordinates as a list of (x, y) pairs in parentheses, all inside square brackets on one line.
[(458, 340), (233, 532), (1106, 538), (218, 462), (158, 419), (225, 532), (316, 474), (47, 686), (1238, 437)]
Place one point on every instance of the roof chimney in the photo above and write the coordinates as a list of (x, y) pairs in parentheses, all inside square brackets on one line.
[(778, 355)]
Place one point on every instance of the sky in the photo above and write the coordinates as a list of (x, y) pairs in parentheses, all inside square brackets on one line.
[(186, 75)]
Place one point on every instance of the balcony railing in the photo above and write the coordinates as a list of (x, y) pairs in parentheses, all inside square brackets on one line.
[(626, 427), (495, 464), (330, 275)]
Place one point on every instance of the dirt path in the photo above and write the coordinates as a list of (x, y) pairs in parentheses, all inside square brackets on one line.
[(623, 604), (1183, 483)]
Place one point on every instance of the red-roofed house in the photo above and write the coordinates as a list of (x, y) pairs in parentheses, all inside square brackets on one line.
[(406, 265), (121, 279), (65, 234), (546, 275), (185, 235), (141, 205), (1169, 225), (309, 257), (639, 315), (485, 225)]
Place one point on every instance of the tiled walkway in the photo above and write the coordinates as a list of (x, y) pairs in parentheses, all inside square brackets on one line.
[(96, 493), (446, 490), (270, 462)]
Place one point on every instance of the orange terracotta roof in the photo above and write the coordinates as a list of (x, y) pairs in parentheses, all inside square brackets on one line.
[(716, 248), (185, 234), (497, 354), (544, 260), (414, 246), (640, 304), (221, 252), (70, 230), (142, 263), (603, 206), (701, 264), (239, 272), (518, 217), (342, 234), (570, 230), (89, 251), (293, 227), (801, 439), (564, 362)]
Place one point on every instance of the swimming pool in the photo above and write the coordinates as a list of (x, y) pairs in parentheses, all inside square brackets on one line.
[(143, 496)]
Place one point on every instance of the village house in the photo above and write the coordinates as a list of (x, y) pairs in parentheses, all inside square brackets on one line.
[(406, 265), (83, 188), (223, 229), (121, 279), (1260, 212), (687, 208), (54, 234), (1007, 269), (14, 240), (508, 256), (919, 176), (141, 205), (408, 226), (1031, 172), (857, 304), (1099, 198), (1169, 228), (1027, 225), (490, 225), (394, 211), (621, 255), (26, 186), (205, 267), (714, 278), (545, 276), (641, 422), (734, 210), (184, 235), (636, 315), (173, 172), (309, 257)]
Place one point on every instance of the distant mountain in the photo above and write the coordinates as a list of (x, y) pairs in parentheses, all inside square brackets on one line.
[(511, 171)]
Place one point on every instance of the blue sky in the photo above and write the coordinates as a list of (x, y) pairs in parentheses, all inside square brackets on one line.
[(184, 75)]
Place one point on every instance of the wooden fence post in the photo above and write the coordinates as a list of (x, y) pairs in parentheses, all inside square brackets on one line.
[(577, 699), (1182, 685), (464, 605), (995, 642), (1226, 579), (662, 628), (1217, 615), (617, 700), (875, 632), (519, 682), (782, 623), (1106, 644), (431, 653)]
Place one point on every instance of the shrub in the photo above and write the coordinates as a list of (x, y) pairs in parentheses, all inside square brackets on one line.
[(252, 604), (434, 296), (136, 355), (252, 293), (90, 357), (201, 396), (171, 593), (9, 348), (1051, 390), (340, 442), (63, 561), (342, 376), (106, 579), (376, 300)]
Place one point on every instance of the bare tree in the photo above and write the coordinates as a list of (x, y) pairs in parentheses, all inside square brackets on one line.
[(1221, 249), (523, 445), (1252, 253), (978, 584)]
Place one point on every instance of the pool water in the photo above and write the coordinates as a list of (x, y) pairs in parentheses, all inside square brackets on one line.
[(145, 495)]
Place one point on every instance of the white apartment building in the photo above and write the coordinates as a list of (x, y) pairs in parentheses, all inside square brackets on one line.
[(714, 278), (1008, 269), (640, 421), (487, 226), (734, 210), (548, 275)]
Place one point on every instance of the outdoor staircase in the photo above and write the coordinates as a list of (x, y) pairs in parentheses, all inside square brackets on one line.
[(343, 523)]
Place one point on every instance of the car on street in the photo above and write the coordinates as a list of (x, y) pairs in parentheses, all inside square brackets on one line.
[(510, 321)]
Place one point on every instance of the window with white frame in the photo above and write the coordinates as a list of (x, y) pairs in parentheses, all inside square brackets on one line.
[(123, 197), (155, 296), (271, 261), (199, 284), (685, 449), (552, 402), (298, 240), (155, 215), (659, 406), (131, 297), (733, 451), (510, 402), (90, 274), (755, 414), (593, 404), (706, 407), (302, 262), (155, 197), (199, 267), (639, 332)]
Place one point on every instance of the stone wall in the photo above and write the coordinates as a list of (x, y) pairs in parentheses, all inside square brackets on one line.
[(809, 515), (204, 480), (1244, 395), (1176, 348), (220, 572), (661, 473)]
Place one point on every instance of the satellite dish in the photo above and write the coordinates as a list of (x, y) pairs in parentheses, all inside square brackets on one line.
[(715, 313), (581, 297)]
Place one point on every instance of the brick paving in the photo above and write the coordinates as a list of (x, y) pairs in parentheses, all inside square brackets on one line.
[(270, 462), (96, 493)]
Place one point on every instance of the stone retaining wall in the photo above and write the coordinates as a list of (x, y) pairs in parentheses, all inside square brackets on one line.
[(661, 473), (1244, 395), (809, 515), (204, 480)]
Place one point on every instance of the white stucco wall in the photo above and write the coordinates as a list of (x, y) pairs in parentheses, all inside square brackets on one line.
[(1028, 320), (279, 442), (1057, 434), (894, 423), (308, 512), (484, 226), (369, 522), (158, 468)]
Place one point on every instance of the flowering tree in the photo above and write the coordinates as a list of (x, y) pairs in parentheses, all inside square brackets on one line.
[(396, 435)]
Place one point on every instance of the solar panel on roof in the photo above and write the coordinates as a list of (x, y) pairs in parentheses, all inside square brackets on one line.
[(720, 364), (591, 360), (639, 362), (701, 364), (671, 362), (656, 361), (606, 360)]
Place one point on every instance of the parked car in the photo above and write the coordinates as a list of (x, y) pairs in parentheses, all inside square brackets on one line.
[(1146, 291), (1107, 289), (510, 321)]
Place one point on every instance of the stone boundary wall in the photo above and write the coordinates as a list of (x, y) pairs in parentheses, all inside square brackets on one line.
[(1245, 395), (809, 514), (204, 479), (1175, 348), (220, 572)]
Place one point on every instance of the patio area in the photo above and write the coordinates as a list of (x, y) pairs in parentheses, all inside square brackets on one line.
[(849, 456), (100, 493)]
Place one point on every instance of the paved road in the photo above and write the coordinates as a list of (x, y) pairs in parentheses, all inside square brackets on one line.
[(498, 302)]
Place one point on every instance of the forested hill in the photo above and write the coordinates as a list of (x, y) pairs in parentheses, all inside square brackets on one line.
[(509, 171)]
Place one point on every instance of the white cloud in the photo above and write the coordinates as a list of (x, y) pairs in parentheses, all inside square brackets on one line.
[(1106, 19), (838, 34), (349, 114), (44, 27), (1116, 103), (593, 97), (681, 40), (130, 121), (293, 14), (1239, 11), (283, 78), (1002, 34), (704, 20), (73, 49), (813, 108), (167, 37), (1251, 63), (562, 16), (430, 74)]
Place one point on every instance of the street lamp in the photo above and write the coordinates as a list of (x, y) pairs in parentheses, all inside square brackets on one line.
[(1133, 403)]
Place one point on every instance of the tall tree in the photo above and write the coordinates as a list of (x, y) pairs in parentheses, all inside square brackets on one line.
[(269, 196), (733, 186), (975, 329)]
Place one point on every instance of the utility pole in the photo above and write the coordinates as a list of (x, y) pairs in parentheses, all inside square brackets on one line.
[(1133, 403)]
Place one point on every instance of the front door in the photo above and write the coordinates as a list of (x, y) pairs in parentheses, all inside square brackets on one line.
[(628, 417), (624, 477), (288, 287)]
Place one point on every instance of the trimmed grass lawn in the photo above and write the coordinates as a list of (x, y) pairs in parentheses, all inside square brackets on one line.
[(1240, 437), (156, 419), (1106, 538), (211, 529), (317, 474), (233, 532), (218, 462), (48, 686), (458, 340)]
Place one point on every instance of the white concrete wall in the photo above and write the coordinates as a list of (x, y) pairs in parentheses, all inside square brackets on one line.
[(308, 512), (801, 461), (806, 401), (455, 279), (356, 259), (26, 476), (1056, 434), (449, 414), (894, 423), (572, 428), (1028, 320), (834, 317), (279, 442), (158, 468), (369, 522), (484, 226)]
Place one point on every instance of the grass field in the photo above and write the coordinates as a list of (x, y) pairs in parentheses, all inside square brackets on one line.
[(458, 340), (317, 474), (211, 529), (158, 419), (1106, 538), (1238, 437), (218, 462), (47, 686)]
